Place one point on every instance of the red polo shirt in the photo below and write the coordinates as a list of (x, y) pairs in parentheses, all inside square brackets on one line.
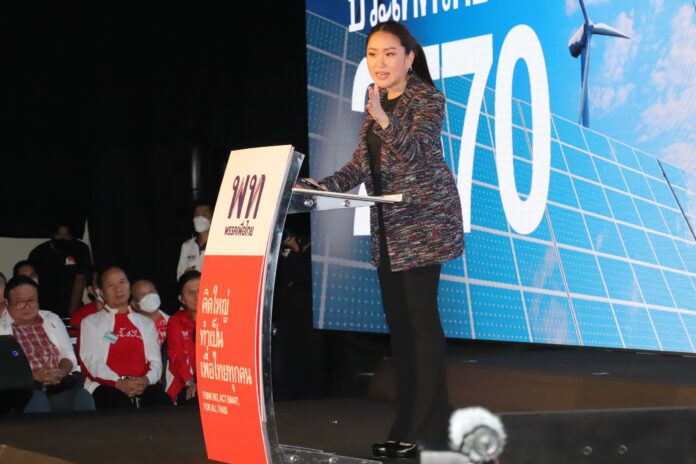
[(127, 355), (181, 351)]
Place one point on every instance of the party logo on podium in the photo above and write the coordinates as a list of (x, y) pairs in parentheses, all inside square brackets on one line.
[(247, 192)]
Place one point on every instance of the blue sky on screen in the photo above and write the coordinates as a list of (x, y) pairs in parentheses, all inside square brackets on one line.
[(642, 91)]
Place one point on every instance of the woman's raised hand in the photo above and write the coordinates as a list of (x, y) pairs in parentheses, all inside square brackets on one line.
[(374, 107)]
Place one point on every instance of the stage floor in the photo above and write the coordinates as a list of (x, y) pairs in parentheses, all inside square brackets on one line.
[(505, 379), (173, 435), (527, 378), (348, 427)]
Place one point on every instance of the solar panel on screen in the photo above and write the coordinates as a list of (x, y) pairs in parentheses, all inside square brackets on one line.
[(612, 264)]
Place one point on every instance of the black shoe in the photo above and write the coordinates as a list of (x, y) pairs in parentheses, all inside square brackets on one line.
[(380, 449), (400, 450)]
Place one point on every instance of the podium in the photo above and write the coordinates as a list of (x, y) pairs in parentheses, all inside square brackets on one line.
[(233, 323)]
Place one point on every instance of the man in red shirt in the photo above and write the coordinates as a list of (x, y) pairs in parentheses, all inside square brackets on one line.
[(181, 346), (119, 350)]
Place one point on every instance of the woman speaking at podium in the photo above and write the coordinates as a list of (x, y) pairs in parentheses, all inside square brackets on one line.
[(400, 151)]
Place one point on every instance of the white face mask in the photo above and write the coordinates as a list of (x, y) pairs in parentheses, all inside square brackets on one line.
[(150, 303), (99, 295), (201, 224)]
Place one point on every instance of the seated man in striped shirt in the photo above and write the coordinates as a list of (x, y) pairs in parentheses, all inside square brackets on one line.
[(46, 343)]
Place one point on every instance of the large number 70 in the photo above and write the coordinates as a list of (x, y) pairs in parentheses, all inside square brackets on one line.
[(475, 56)]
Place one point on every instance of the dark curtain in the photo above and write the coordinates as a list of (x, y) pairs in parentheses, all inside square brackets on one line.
[(104, 102)]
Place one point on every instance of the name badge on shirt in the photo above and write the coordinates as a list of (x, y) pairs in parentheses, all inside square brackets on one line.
[(111, 337)]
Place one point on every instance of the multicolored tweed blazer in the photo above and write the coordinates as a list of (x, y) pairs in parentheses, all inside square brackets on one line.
[(427, 227)]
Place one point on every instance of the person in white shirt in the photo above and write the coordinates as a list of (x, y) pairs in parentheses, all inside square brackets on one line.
[(119, 350), (193, 250), (46, 344)]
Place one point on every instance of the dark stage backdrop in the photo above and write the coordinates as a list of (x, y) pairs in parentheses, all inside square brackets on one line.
[(104, 103)]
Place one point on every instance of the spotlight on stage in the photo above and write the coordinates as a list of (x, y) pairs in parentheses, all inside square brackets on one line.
[(476, 436)]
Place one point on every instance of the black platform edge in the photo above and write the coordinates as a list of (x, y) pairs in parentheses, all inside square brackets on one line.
[(300, 455), (643, 435)]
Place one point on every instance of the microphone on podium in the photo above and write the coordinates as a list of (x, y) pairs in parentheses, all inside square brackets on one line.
[(475, 436)]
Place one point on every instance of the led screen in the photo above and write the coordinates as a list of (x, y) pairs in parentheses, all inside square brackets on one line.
[(610, 260)]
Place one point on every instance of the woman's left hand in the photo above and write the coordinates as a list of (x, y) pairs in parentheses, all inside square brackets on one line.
[(374, 107)]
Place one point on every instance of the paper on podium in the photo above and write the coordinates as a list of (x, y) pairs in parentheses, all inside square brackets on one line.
[(319, 200)]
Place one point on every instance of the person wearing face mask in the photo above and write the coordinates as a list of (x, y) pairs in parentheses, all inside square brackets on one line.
[(63, 264), (146, 301), (119, 350), (181, 348), (193, 250)]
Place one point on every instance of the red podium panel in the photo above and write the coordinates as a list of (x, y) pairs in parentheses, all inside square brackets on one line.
[(229, 322), (229, 372), (233, 323)]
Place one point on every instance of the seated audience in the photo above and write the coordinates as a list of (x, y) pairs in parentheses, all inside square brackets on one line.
[(119, 350), (146, 301), (193, 250), (3, 301), (45, 342), (181, 348), (25, 268)]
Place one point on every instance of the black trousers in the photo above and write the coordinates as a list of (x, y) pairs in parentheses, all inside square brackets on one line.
[(106, 397), (418, 352)]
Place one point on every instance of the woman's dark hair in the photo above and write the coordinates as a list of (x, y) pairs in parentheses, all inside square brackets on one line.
[(3, 279), (18, 281), (420, 65), (186, 277)]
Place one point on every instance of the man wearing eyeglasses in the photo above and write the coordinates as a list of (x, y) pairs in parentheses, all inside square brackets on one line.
[(46, 343)]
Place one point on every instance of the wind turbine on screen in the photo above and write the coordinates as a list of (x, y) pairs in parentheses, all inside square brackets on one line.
[(579, 45)]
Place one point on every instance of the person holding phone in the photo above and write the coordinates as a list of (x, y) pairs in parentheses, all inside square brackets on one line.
[(400, 151)]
